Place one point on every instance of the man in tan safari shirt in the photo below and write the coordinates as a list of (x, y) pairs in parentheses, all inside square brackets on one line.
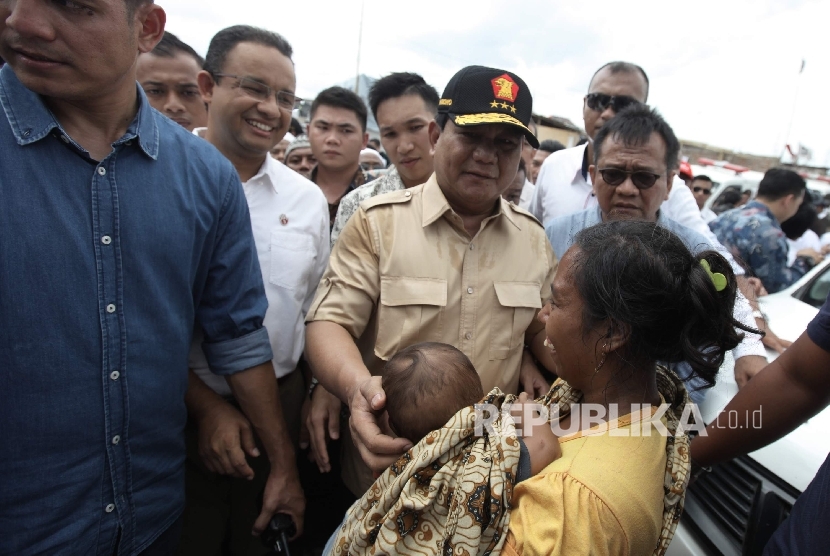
[(446, 261)]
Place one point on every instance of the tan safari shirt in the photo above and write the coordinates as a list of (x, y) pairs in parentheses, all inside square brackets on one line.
[(405, 271)]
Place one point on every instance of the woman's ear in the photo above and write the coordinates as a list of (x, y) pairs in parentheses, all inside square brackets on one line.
[(616, 336)]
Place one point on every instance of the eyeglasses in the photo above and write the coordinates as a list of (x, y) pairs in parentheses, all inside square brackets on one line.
[(262, 92), (640, 179), (601, 101), (702, 190)]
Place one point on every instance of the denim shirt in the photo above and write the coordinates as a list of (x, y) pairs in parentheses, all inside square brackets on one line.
[(104, 269)]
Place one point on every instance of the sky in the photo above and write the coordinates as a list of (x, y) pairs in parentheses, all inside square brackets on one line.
[(722, 72)]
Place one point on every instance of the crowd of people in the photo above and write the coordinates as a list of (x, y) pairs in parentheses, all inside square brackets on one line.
[(212, 314)]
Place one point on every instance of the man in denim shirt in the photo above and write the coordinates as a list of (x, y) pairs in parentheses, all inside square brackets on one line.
[(120, 230)]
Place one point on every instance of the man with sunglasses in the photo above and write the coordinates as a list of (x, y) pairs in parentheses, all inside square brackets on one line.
[(248, 84), (701, 187), (563, 185), (634, 165)]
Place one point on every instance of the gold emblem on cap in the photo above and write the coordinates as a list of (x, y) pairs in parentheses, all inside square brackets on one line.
[(445, 102), (505, 88)]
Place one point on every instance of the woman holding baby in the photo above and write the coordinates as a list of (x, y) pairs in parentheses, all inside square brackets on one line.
[(626, 295)]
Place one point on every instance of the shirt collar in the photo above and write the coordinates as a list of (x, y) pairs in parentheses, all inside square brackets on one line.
[(435, 204), (31, 120), (764, 209), (267, 173)]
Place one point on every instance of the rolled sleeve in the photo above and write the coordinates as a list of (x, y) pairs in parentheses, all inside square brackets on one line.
[(350, 288), (232, 304), (233, 356)]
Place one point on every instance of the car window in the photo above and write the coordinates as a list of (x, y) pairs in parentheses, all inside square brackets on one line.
[(817, 294)]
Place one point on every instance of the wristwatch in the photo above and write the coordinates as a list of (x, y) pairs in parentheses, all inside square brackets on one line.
[(312, 386)]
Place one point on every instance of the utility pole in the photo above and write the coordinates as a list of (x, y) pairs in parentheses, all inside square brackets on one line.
[(359, 41)]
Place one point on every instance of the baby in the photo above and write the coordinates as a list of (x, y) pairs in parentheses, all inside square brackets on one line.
[(427, 383), (426, 386)]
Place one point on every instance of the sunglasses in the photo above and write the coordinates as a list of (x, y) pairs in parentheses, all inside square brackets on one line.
[(601, 101), (640, 178), (703, 190)]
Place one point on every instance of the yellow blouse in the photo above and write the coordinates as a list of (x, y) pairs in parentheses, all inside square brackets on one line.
[(603, 496)]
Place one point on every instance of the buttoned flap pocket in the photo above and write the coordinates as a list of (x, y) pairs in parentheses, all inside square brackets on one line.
[(516, 306), (292, 258), (410, 310)]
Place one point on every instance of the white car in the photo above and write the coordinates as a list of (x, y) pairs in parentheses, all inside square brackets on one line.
[(735, 509)]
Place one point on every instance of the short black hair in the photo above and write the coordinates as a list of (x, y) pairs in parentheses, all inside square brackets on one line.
[(634, 126), (132, 5), (622, 67), (225, 40), (780, 182), (550, 146), (295, 128), (399, 84), (638, 277), (341, 97), (425, 385), (702, 177), (170, 45), (804, 218)]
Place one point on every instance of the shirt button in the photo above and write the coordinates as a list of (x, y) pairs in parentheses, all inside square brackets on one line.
[(64, 138), (106, 240), (110, 508), (110, 308), (469, 290), (128, 143), (116, 439), (469, 335), (407, 194), (472, 247), (114, 375), (102, 171)]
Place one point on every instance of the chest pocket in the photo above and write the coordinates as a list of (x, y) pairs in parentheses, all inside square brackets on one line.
[(292, 256), (516, 306), (410, 310)]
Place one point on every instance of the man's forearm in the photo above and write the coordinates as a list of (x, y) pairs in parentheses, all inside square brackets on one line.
[(257, 392), (199, 398), (334, 358), (787, 392)]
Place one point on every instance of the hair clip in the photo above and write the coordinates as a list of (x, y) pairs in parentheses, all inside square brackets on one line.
[(718, 279)]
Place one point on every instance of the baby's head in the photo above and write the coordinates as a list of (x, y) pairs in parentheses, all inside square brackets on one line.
[(425, 385)]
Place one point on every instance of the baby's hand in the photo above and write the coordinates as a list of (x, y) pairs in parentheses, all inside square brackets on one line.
[(533, 427)]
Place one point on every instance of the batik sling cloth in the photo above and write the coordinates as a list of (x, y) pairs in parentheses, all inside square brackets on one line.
[(451, 492)]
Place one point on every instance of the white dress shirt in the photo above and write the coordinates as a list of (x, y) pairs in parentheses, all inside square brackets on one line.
[(528, 192), (290, 221), (707, 214), (562, 189)]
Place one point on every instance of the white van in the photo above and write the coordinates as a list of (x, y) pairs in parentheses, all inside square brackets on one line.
[(734, 509)]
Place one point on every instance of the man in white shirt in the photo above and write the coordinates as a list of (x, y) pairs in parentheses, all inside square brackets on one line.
[(701, 187), (249, 85), (564, 186)]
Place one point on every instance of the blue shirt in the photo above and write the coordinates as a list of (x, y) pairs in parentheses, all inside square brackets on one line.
[(561, 233), (755, 238), (105, 268)]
